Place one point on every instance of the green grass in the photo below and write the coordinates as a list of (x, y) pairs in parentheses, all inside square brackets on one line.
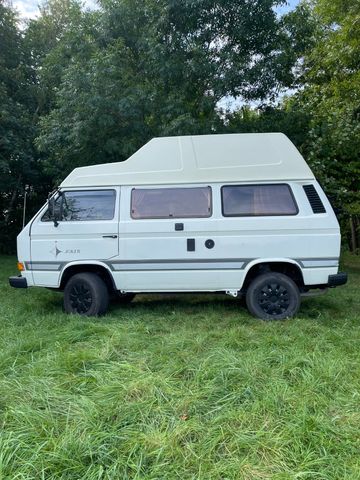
[(180, 387)]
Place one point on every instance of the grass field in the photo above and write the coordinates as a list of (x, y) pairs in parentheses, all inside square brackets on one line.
[(180, 387)]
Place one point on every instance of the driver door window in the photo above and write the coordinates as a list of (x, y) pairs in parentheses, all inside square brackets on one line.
[(86, 205)]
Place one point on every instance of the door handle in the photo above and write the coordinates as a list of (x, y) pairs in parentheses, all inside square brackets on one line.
[(109, 236), (191, 244)]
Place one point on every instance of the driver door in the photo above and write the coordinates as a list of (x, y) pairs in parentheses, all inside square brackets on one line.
[(87, 229)]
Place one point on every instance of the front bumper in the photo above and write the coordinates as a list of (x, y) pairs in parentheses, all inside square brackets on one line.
[(18, 282), (337, 280)]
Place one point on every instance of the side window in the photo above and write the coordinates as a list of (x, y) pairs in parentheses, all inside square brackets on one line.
[(84, 205), (171, 203), (257, 200)]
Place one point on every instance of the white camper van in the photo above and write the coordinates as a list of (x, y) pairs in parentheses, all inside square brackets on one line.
[(240, 214)]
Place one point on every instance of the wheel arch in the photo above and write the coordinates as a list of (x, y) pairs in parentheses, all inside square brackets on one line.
[(98, 268), (287, 266)]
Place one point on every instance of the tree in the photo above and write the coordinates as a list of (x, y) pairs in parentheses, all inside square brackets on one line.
[(50, 42), (92, 87), (323, 117), (17, 157), (332, 99), (160, 68)]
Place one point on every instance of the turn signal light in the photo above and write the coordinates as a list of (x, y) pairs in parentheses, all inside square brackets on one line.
[(20, 266)]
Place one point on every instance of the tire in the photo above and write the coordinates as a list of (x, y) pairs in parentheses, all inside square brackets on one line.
[(86, 294), (124, 298), (273, 296)]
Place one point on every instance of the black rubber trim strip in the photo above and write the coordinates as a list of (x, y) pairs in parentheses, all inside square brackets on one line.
[(337, 279), (18, 282)]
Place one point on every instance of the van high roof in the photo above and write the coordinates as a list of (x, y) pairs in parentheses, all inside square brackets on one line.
[(236, 158)]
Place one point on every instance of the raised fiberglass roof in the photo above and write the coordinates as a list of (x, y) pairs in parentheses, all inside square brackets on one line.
[(253, 157)]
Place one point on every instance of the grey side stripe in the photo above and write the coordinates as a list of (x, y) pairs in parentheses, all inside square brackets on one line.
[(180, 265), (139, 265), (318, 262), (174, 264), (45, 266)]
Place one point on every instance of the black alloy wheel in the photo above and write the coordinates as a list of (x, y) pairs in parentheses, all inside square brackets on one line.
[(273, 296), (274, 299), (86, 294), (80, 298)]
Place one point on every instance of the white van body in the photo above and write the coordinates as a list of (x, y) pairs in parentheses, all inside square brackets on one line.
[(214, 251)]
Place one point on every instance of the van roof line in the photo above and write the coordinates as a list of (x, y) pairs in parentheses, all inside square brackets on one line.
[(246, 157)]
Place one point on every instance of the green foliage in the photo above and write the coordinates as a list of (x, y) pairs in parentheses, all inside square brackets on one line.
[(323, 117), (83, 87), (332, 99), (18, 166), (181, 387), (51, 41), (160, 68)]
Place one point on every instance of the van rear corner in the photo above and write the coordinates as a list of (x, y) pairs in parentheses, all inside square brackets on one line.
[(321, 277)]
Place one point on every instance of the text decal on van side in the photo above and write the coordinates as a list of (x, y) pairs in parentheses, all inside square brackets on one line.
[(56, 251)]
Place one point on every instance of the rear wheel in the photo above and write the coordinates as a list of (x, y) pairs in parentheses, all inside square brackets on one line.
[(273, 296), (86, 294)]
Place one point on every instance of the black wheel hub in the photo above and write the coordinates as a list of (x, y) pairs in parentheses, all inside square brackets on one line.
[(274, 299), (80, 298)]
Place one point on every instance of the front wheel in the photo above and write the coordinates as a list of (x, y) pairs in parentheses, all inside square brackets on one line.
[(86, 294), (273, 296)]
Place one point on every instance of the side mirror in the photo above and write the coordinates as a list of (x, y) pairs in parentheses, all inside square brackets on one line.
[(52, 211)]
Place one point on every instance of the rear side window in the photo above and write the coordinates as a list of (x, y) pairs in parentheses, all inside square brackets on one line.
[(257, 200), (84, 205), (171, 202)]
